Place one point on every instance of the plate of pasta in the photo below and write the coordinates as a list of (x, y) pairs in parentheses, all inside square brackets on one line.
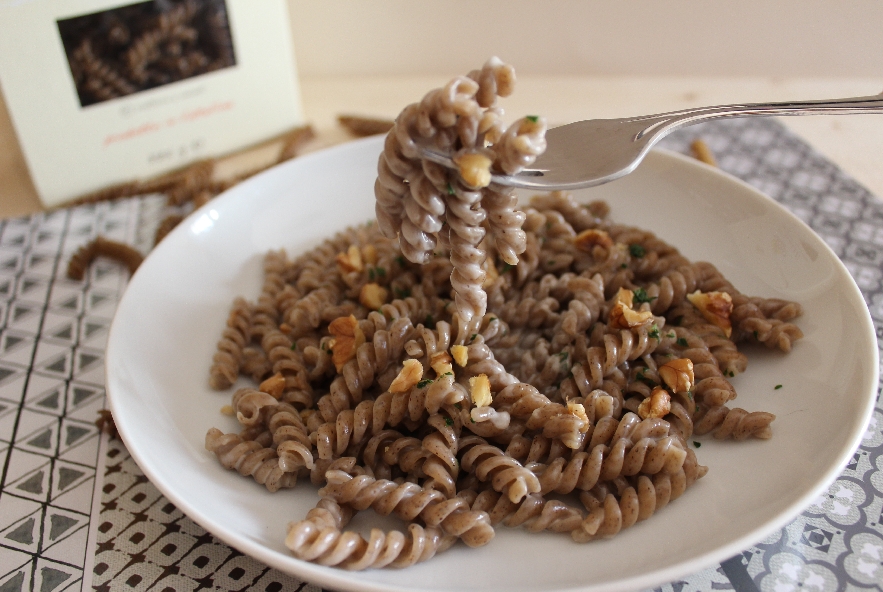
[(354, 371)]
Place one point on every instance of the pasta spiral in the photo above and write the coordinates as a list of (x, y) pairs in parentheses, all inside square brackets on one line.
[(736, 423), (249, 458), (319, 538), (534, 512), (237, 334), (408, 501)]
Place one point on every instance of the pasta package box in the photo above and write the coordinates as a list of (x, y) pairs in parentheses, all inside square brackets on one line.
[(102, 92)]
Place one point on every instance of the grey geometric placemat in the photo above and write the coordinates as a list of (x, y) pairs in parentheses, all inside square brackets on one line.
[(837, 543), (52, 335), (52, 339)]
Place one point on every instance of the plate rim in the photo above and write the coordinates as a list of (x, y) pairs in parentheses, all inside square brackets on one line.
[(343, 580)]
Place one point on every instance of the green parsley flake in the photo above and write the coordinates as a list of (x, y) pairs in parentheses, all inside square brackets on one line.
[(428, 321), (450, 189), (649, 382), (506, 267), (449, 374), (682, 342), (679, 320), (697, 444), (449, 421), (400, 260), (370, 273), (474, 335), (381, 271), (640, 296), (624, 265), (671, 335), (424, 382), (654, 333), (293, 347), (458, 406), (532, 118), (778, 386), (637, 250)]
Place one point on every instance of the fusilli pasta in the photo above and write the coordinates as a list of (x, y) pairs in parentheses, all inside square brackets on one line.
[(460, 361)]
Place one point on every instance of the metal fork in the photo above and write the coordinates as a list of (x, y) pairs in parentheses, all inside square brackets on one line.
[(597, 151)]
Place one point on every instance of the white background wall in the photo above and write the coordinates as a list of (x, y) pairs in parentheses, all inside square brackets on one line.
[(783, 38)]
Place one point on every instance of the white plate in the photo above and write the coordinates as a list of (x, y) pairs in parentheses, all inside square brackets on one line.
[(171, 316)]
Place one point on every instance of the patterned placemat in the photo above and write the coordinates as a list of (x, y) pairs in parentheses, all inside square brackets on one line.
[(76, 513)]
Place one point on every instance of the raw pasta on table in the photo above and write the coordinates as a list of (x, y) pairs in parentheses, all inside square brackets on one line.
[(461, 360)]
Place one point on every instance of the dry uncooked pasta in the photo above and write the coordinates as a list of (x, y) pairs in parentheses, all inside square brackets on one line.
[(460, 361)]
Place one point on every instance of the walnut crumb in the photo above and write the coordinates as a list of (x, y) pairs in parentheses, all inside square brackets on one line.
[(369, 254), (410, 375), (678, 375), (624, 296), (623, 317), (480, 389), (588, 239), (460, 353), (579, 410), (657, 405), (373, 296), (351, 260), (273, 386), (348, 336), (475, 168), (715, 307), (441, 363)]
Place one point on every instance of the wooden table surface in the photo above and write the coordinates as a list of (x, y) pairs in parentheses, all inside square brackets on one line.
[(854, 142)]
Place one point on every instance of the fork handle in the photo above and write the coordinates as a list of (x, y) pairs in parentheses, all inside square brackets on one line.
[(664, 123)]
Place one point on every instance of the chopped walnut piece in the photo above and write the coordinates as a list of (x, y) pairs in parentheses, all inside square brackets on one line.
[(578, 410), (715, 307), (369, 254), (625, 296), (678, 375), (460, 353), (480, 389), (658, 404), (475, 168), (623, 317), (351, 260), (588, 239), (441, 363), (274, 385), (348, 336), (373, 296), (410, 374), (491, 273)]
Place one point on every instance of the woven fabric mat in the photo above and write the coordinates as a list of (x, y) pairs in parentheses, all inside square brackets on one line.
[(76, 513)]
